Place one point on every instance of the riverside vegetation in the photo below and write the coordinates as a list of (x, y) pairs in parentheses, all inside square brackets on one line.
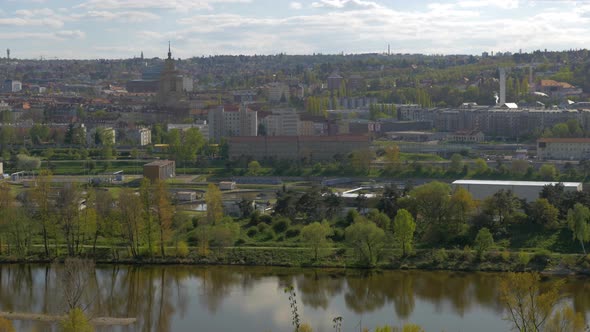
[(429, 227)]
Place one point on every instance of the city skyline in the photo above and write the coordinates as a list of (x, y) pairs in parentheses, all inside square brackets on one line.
[(123, 29)]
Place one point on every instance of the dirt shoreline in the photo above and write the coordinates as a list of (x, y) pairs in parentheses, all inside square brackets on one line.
[(103, 321)]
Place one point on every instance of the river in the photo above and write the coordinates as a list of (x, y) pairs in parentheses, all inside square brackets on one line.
[(199, 298)]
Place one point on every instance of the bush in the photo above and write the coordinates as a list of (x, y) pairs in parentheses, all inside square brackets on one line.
[(505, 255), (262, 227), (467, 255), (440, 256), (252, 231), (542, 256), (281, 224), (182, 249), (292, 232), (524, 258)]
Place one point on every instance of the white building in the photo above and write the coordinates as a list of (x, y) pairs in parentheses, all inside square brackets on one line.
[(563, 148), (276, 91), (12, 86), (232, 122), (143, 136), (528, 190), (282, 122)]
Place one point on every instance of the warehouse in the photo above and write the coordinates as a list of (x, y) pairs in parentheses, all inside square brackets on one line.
[(159, 170), (528, 190)]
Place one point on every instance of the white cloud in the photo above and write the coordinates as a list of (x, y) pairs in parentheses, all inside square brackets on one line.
[(124, 16), (180, 5), (504, 4), (295, 5), (28, 21), (70, 34), (340, 4), (58, 35)]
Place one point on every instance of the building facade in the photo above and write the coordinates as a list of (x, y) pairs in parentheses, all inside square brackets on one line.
[(563, 148), (528, 190), (232, 122), (159, 170)]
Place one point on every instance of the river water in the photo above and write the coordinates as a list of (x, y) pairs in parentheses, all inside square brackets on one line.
[(198, 298)]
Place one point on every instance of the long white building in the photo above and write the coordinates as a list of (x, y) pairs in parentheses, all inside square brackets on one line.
[(528, 190)]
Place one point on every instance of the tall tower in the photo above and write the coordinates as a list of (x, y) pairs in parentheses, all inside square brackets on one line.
[(169, 52), (502, 86), (8, 54), (141, 55)]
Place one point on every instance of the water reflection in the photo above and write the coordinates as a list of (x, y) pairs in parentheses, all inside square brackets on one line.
[(176, 298)]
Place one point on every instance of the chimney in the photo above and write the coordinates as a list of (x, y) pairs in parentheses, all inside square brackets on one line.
[(502, 86)]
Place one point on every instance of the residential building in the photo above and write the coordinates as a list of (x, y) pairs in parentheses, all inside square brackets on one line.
[(227, 185), (12, 86), (466, 136), (335, 81), (277, 92), (281, 122), (563, 148), (159, 170), (557, 89), (528, 190), (201, 125), (231, 121), (142, 136), (101, 136)]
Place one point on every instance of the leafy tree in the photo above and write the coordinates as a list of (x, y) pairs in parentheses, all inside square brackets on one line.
[(332, 203), (543, 213), (286, 204), (315, 235), (129, 205), (577, 219), (27, 163), (403, 230), (456, 165), (566, 320), (309, 205), (164, 212), (480, 166), (530, 306), (432, 202), (367, 239), (246, 207), (501, 207), (76, 321), (214, 204), (462, 208), (483, 241), (380, 218), (548, 172), (146, 196), (254, 168), (41, 207)]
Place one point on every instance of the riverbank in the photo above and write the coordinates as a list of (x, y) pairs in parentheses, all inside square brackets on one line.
[(421, 259)]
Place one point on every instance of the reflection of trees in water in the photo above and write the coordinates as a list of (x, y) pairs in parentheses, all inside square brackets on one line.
[(156, 294), (317, 287)]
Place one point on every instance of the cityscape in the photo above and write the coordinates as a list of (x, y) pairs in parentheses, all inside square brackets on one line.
[(383, 178)]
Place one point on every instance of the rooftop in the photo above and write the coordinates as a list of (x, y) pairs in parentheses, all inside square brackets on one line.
[(159, 163), (564, 140), (517, 183)]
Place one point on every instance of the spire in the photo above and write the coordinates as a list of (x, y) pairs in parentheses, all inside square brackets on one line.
[(169, 52)]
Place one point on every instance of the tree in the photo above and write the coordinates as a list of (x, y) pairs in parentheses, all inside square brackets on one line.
[(548, 172), (76, 321), (360, 161), (501, 206), (432, 202), (483, 241), (480, 166), (391, 157), (41, 206), (254, 168), (131, 219), (214, 204), (388, 201), (27, 163), (462, 207), (73, 277), (403, 230), (146, 196), (577, 219), (164, 213), (315, 235), (566, 320), (529, 306), (543, 213), (246, 207), (367, 239), (456, 165)]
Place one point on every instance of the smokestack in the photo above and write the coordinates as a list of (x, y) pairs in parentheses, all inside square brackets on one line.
[(530, 76), (8, 54), (388, 49), (502, 86)]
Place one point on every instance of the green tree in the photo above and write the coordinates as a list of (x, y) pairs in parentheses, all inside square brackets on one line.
[(164, 212), (577, 219), (403, 230), (315, 235), (214, 203), (367, 239), (432, 203), (131, 219), (456, 165), (76, 321), (543, 213), (548, 172), (483, 241), (254, 168), (480, 166)]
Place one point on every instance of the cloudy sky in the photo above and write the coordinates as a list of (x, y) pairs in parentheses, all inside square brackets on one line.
[(123, 28)]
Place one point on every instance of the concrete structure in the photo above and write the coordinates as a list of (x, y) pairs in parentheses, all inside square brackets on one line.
[(557, 89), (563, 148), (276, 91), (335, 81), (201, 125), (281, 122), (227, 185), (227, 122), (101, 136), (186, 196), (12, 86), (473, 136), (528, 190), (502, 86), (313, 148), (143, 136), (159, 170), (173, 86)]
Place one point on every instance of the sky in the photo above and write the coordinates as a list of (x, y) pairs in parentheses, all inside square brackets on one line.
[(91, 29)]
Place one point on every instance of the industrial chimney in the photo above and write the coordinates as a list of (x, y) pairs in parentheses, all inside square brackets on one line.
[(502, 86)]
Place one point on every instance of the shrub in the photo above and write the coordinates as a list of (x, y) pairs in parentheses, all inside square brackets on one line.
[(281, 224), (542, 256), (439, 256), (292, 232), (252, 231), (182, 249), (467, 254), (505, 255), (262, 227), (524, 258)]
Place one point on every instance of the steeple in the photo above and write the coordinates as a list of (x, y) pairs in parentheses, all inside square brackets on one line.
[(169, 52)]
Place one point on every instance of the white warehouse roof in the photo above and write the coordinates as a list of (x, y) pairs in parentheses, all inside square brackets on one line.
[(517, 183)]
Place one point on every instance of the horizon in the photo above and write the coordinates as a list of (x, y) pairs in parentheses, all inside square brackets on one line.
[(119, 29)]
